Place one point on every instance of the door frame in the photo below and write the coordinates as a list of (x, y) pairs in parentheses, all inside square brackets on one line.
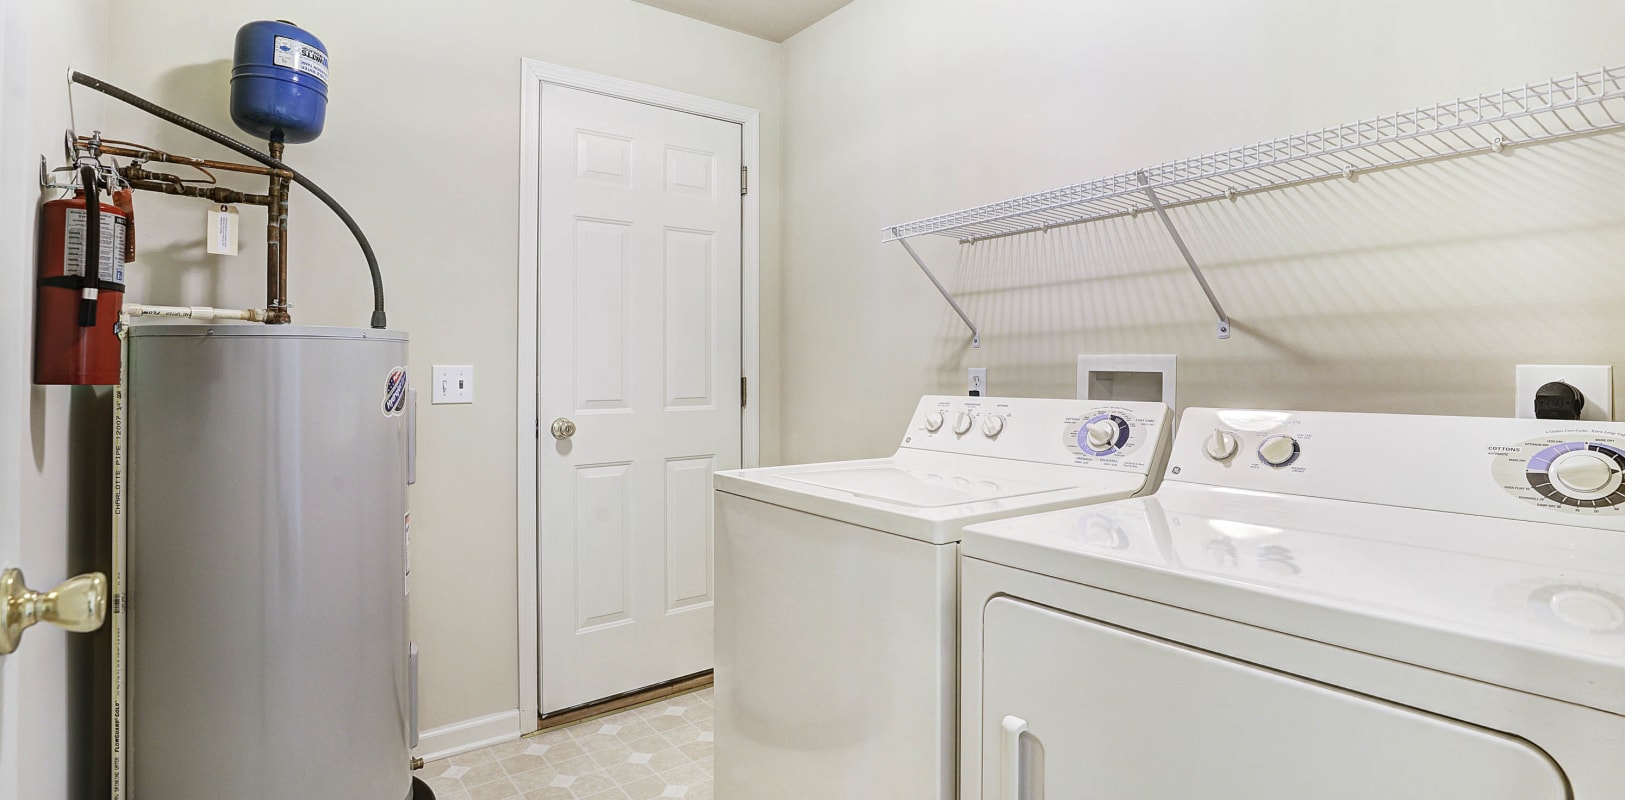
[(536, 74), (16, 307)]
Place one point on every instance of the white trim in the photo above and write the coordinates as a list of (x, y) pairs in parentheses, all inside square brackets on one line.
[(470, 734), (534, 74)]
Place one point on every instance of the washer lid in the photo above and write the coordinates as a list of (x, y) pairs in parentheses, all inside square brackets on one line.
[(1531, 606), (921, 487), (928, 495)]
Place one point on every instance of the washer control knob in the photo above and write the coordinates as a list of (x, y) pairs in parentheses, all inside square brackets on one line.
[(992, 426), (1279, 451), (1221, 446), (1584, 472), (1102, 434), (962, 423), (933, 421)]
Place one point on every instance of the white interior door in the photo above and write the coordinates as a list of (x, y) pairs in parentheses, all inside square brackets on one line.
[(639, 346), (14, 367)]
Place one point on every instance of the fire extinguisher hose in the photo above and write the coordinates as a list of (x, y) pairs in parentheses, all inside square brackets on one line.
[(378, 317), (92, 277)]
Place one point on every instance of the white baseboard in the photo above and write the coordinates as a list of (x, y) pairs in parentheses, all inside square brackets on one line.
[(470, 734)]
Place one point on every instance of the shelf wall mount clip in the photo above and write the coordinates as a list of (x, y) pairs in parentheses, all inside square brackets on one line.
[(975, 333), (1179, 241)]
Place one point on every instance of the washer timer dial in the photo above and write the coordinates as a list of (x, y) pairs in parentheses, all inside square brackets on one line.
[(1279, 451), (1103, 435)]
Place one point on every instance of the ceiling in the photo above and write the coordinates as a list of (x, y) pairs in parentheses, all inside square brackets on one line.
[(774, 20)]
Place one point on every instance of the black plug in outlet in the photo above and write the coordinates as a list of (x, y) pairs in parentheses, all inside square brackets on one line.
[(1558, 400)]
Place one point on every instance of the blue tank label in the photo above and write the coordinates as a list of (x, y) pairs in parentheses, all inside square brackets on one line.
[(395, 393), (301, 57)]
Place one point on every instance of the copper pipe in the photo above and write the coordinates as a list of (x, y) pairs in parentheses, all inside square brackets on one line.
[(170, 158), (276, 281), (144, 180)]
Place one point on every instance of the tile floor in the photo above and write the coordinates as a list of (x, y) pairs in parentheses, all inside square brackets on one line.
[(660, 750)]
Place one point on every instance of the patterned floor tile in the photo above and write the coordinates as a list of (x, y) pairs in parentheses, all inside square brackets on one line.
[(657, 751)]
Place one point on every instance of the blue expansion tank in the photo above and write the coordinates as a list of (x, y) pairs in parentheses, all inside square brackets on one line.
[(279, 82)]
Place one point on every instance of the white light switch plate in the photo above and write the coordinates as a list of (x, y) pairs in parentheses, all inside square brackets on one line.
[(453, 385), (1595, 382)]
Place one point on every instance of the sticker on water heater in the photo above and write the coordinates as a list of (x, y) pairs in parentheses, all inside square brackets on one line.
[(395, 393), (297, 55)]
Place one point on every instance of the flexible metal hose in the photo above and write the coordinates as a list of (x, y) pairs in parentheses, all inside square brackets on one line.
[(378, 317)]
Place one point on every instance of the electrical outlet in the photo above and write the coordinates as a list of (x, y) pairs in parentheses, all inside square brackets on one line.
[(453, 385), (1596, 383), (978, 382)]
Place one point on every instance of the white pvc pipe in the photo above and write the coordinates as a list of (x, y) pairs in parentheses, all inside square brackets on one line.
[(200, 313)]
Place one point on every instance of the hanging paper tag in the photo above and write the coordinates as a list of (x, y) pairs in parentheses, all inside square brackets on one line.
[(222, 234)]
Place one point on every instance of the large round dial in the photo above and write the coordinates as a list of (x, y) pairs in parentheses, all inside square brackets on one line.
[(992, 426), (1279, 451), (1103, 435), (1221, 446), (933, 421), (1585, 475), (962, 422)]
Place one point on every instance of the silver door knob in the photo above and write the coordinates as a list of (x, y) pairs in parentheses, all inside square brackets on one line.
[(563, 428), (79, 605)]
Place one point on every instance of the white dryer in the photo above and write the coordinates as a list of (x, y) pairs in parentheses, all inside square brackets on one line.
[(837, 588), (1312, 605)]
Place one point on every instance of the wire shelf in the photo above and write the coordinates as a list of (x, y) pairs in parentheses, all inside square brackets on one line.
[(1577, 105)]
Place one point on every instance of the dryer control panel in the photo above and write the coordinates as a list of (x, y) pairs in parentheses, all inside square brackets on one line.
[(1531, 469), (1131, 437)]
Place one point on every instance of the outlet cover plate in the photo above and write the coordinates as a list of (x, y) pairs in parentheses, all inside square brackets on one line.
[(976, 385), (1595, 382), (453, 384), (1096, 378)]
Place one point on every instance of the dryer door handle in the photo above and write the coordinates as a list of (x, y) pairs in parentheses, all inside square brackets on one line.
[(1011, 766)]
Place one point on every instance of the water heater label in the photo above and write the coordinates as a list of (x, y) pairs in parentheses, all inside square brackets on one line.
[(297, 55), (395, 393)]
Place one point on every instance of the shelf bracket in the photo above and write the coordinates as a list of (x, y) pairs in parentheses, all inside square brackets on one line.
[(1179, 241), (975, 334)]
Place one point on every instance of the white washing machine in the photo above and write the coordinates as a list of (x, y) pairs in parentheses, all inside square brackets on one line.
[(1312, 605), (837, 588)]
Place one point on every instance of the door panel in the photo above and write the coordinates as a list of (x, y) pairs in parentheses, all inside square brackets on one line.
[(1109, 713), (640, 346)]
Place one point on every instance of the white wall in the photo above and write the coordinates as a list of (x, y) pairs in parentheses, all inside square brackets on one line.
[(54, 438), (421, 146), (1412, 291)]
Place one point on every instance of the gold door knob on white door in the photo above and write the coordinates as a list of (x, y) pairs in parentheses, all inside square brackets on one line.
[(79, 605), (1102, 434), (1585, 472), (563, 429), (1221, 446)]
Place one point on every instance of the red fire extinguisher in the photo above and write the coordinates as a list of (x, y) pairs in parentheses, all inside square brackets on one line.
[(81, 288)]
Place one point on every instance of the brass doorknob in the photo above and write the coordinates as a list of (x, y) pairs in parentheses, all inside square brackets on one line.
[(79, 605), (563, 428)]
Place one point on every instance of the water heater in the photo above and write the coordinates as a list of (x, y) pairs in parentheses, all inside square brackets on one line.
[(266, 617)]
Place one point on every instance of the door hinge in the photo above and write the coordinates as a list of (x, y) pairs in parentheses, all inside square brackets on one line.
[(744, 390), (744, 181)]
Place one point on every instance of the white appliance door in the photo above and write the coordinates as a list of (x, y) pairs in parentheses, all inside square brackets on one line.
[(640, 346), (1077, 710)]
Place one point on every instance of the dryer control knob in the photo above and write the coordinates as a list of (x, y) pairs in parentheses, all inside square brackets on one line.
[(1221, 446), (1279, 451), (1585, 472), (992, 426), (962, 423), (1102, 434), (933, 421)]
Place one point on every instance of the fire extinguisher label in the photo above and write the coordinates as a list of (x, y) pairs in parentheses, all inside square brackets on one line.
[(110, 266), (297, 55)]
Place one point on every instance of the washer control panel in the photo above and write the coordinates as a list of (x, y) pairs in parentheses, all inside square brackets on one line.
[(1118, 435), (1576, 474), (1530, 469)]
